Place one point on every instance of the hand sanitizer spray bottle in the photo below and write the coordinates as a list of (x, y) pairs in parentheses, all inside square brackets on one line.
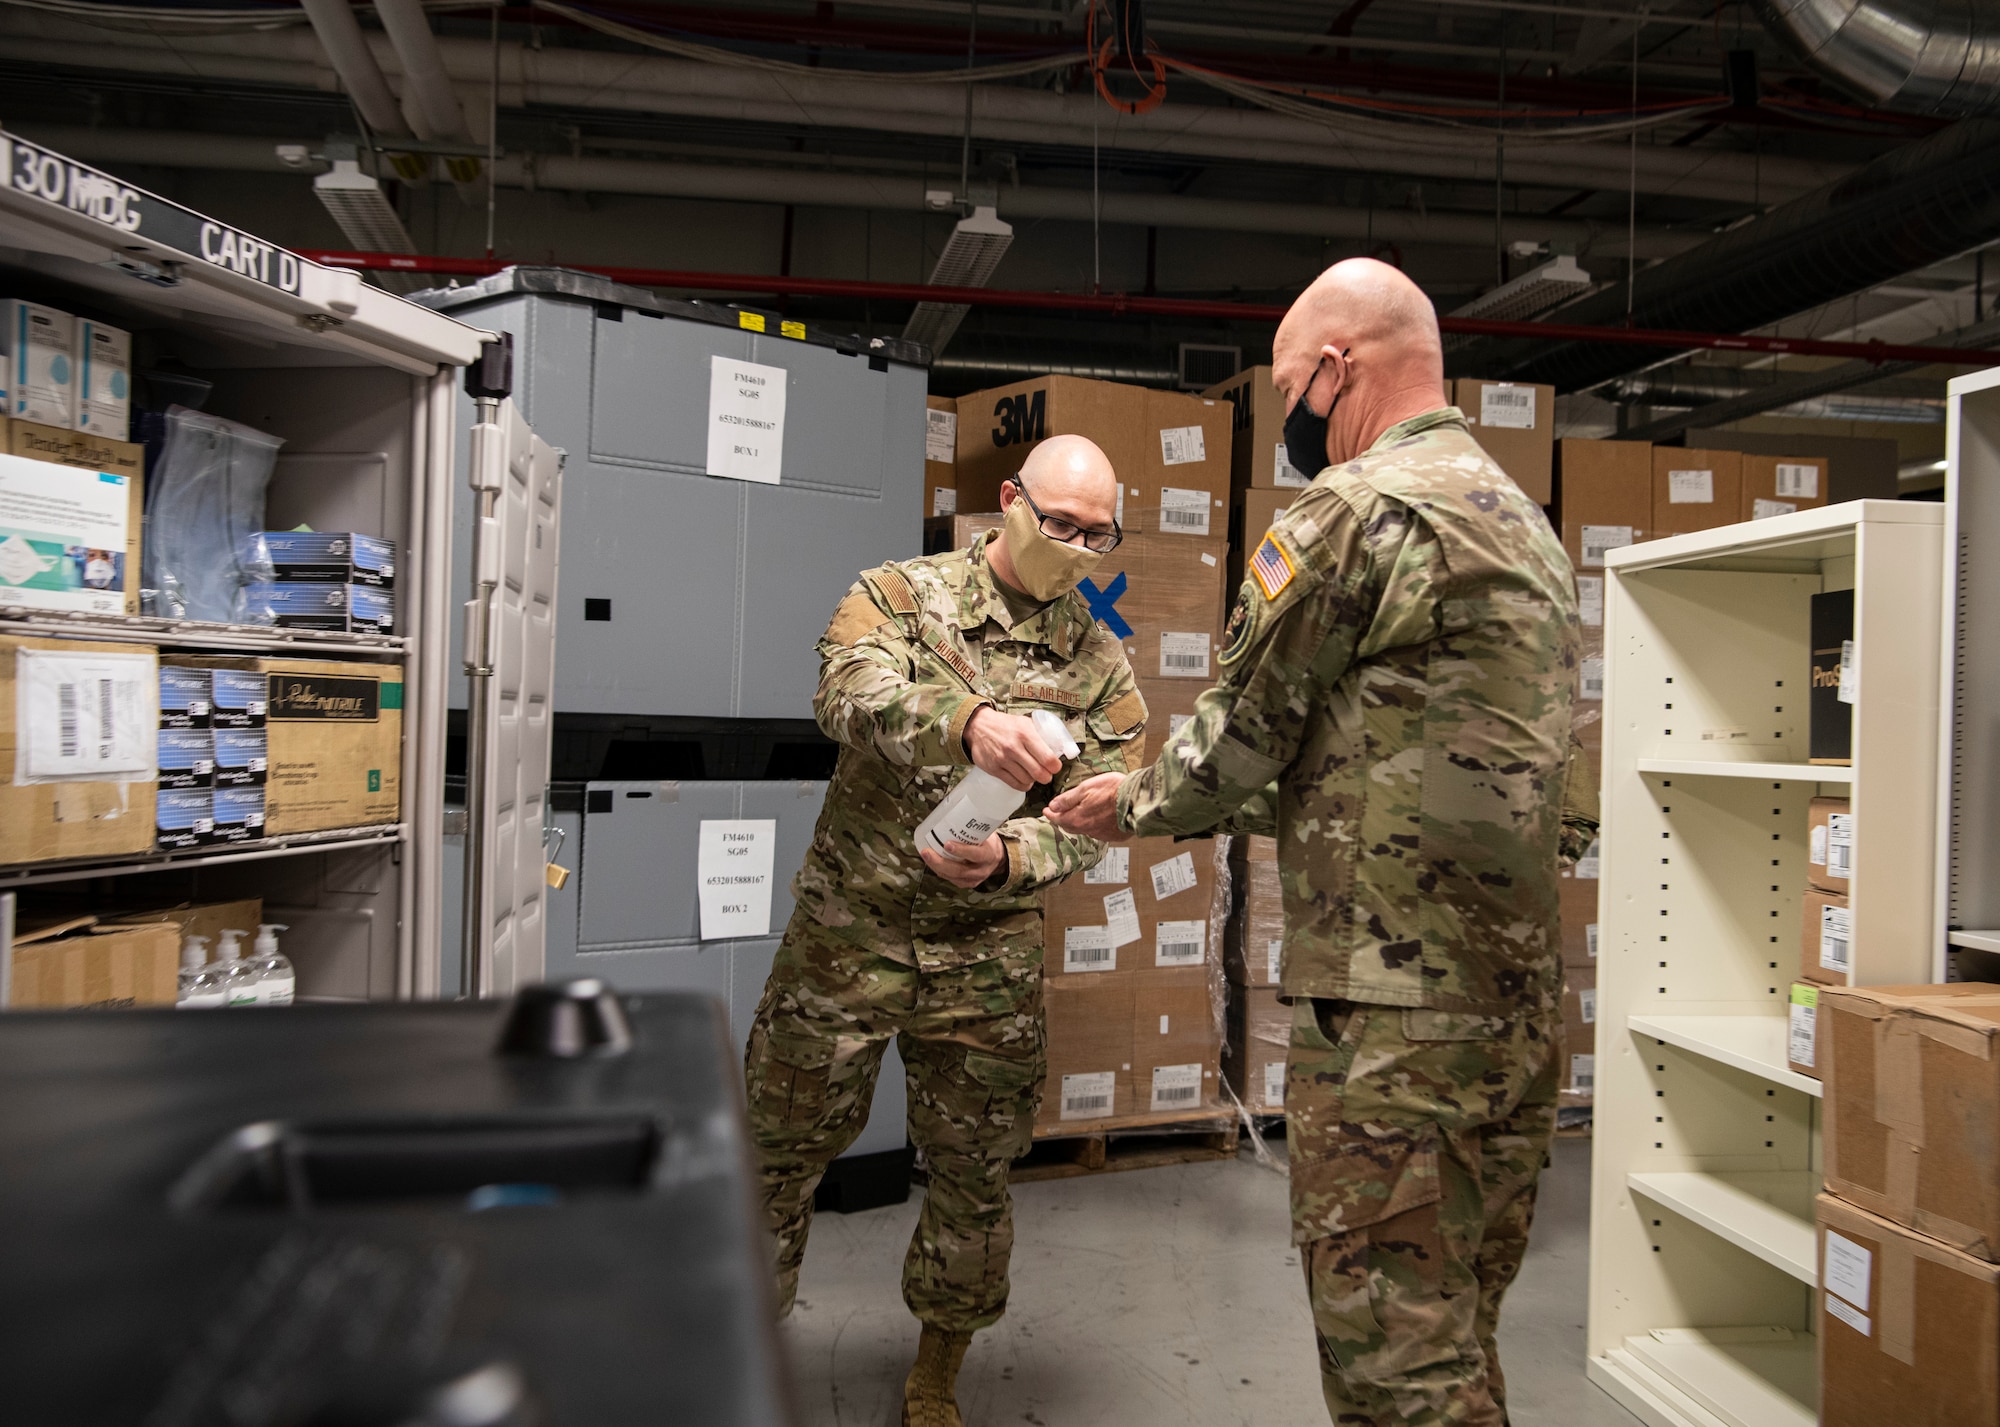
[(200, 986), (239, 982), (981, 802), (275, 980)]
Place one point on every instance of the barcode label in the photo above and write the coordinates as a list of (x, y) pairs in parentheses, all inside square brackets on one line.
[(1174, 876), (1121, 918), (1283, 472), (1274, 1083), (1179, 943), (1591, 684), (944, 501), (1850, 672), (1177, 722), (1184, 512), (1088, 1096), (1597, 539), (1114, 869), (1182, 445), (1088, 949), (1592, 859), (1183, 656), (1836, 935), (1839, 845), (85, 717), (1582, 1072), (1761, 509), (1798, 482), (1511, 407), (1816, 847), (1690, 487), (1803, 1030), (1274, 955), (941, 439), (1176, 1085), (66, 717), (1590, 599), (1590, 940), (1587, 1003)]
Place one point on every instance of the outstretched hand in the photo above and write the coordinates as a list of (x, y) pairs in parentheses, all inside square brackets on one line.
[(1090, 809)]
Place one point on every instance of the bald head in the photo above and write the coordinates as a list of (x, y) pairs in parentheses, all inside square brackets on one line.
[(1364, 338), (1069, 477)]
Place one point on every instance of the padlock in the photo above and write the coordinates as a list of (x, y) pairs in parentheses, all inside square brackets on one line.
[(558, 876)]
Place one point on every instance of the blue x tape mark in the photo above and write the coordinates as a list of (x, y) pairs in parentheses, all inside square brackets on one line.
[(1101, 602)]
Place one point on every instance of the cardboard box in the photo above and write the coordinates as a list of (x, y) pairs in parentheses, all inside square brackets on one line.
[(1089, 1050), (1146, 906), (1830, 720), (78, 963), (1695, 489), (1780, 485), (1260, 1036), (1176, 1043), (1250, 520), (1912, 1106), (1579, 1026), (1577, 897), (941, 456), (1257, 456), (1830, 844), (40, 343), (71, 510), (1604, 495), (1169, 704), (39, 821), (1826, 938), (209, 919), (1515, 423), (1253, 950), (1908, 1329), (104, 385), (1170, 450), (1802, 1029)]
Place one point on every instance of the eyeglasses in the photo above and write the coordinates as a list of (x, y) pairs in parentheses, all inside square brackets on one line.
[(1065, 532)]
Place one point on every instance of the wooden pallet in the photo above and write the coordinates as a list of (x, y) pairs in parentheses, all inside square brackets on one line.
[(1128, 1142)]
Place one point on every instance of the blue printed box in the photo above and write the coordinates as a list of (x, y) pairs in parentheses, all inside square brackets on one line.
[(185, 697), (359, 608), (239, 698), (242, 758), (331, 558), (187, 758), (184, 819), (239, 815)]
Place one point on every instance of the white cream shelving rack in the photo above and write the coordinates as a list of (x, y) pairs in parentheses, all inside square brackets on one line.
[(1706, 1156)]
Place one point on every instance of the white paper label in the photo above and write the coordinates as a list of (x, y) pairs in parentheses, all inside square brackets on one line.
[(1816, 847), (746, 420), (1089, 949), (1848, 1268), (734, 865), (940, 436), (1582, 1072), (944, 500), (1179, 943), (1182, 446), (1761, 509), (1599, 538), (1121, 918), (1590, 682), (1587, 1000), (1177, 722), (1588, 864), (1590, 940), (82, 718), (1839, 845), (1176, 1087), (1173, 876), (1798, 482), (1183, 656), (1274, 1082), (1183, 512), (1690, 487), (63, 534), (1590, 599), (1850, 672), (1804, 1034), (1836, 936), (1088, 1097), (1511, 407), (1852, 1317), (1283, 472), (1274, 956), (1114, 869)]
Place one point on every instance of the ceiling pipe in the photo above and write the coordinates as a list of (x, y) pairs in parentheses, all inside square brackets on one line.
[(1912, 207), (1918, 56), (347, 48), (430, 102), (894, 193), (654, 84), (1686, 385)]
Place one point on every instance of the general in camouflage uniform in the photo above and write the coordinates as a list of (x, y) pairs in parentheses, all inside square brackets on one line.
[(880, 946), (1394, 707)]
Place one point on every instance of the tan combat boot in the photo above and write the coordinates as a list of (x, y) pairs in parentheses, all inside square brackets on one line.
[(929, 1397)]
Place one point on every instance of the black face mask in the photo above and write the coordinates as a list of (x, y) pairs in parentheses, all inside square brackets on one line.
[(1305, 430)]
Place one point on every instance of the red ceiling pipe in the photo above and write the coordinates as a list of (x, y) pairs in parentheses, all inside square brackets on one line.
[(1120, 303)]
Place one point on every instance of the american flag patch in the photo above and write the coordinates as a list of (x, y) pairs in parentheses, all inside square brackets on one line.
[(1272, 567)]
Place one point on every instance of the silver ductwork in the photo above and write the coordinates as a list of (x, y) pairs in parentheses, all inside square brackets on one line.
[(1919, 56)]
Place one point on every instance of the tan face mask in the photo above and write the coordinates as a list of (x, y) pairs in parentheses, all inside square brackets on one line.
[(1046, 568)]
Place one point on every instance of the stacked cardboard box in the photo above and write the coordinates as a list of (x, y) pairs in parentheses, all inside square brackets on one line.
[(940, 456), (1262, 481), (1908, 1319), (1578, 896), (1515, 423), (109, 957), (1260, 1025), (70, 505)]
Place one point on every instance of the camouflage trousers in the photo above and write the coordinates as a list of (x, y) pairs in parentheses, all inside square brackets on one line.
[(1416, 1141), (971, 1039)]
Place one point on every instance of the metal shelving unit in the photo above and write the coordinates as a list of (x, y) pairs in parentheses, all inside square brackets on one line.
[(1968, 895), (1706, 1153)]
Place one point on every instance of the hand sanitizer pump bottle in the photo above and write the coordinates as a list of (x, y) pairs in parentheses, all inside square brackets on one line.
[(200, 986), (275, 979), (239, 982)]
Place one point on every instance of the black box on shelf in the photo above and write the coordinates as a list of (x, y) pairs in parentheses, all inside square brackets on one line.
[(187, 758), (242, 758), (184, 819), (1830, 706), (239, 698), (238, 814), (318, 557), (185, 699)]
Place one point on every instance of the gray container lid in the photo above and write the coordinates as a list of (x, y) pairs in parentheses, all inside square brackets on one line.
[(603, 292)]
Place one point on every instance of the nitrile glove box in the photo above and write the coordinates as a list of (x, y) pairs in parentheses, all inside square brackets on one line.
[(331, 558), (242, 758), (359, 608), (238, 815), (184, 818), (187, 758)]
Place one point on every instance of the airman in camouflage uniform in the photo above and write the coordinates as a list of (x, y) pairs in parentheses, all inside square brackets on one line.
[(882, 945), (1394, 707)]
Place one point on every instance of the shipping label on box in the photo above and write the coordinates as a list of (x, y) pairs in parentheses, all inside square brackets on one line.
[(1830, 844), (1802, 1029), (68, 537), (1114, 869), (1180, 943), (1514, 423), (1087, 948)]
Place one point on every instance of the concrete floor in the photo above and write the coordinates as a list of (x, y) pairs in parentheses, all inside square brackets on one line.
[(1159, 1297)]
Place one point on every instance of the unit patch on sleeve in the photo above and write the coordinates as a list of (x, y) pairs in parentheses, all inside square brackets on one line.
[(1272, 567), (856, 616)]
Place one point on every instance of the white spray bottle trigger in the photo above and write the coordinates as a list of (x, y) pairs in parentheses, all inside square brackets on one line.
[(1055, 736)]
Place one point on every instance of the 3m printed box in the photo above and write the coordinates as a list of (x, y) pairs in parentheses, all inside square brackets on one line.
[(69, 535)]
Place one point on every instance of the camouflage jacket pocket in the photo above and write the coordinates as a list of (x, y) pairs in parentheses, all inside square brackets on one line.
[(788, 1078), (1369, 1174), (1001, 1073), (1421, 1023)]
